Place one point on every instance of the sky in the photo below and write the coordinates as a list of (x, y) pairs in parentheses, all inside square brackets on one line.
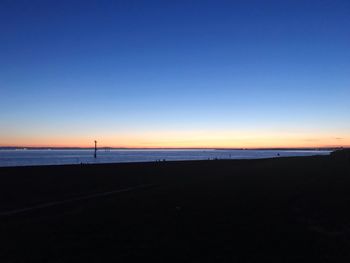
[(175, 73)]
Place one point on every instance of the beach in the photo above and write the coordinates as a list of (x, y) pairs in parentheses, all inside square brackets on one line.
[(293, 209)]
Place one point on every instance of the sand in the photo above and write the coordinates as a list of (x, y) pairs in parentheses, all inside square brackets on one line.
[(272, 210)]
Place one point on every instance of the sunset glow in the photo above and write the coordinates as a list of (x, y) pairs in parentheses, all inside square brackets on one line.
[(173, 75), (186, 140)]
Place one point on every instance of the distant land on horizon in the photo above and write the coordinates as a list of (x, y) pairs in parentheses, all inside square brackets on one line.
[(166, 148)]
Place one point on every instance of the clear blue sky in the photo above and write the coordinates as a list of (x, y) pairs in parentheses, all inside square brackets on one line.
[(175, 73)]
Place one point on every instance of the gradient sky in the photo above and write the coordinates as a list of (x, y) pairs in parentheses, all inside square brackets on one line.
[(175, 73)]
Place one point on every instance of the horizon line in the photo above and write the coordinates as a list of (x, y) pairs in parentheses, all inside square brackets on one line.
[(174, 148)]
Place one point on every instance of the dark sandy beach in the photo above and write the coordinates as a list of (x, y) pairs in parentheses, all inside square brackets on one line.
[(272, 210)]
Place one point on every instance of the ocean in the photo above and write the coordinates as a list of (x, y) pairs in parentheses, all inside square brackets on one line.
[(60, 157)]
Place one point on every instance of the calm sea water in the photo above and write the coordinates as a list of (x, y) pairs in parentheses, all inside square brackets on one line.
[(49, 157)]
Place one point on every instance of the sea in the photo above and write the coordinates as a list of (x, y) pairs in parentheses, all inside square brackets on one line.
[(31, 157)]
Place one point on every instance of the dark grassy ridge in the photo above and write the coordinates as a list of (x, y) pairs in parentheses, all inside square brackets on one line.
[(273, 210)]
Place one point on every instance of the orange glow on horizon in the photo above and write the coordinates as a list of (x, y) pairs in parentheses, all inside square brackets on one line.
[(183, 140)]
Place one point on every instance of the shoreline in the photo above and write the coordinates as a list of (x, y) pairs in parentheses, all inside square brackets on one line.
[(109, 158)]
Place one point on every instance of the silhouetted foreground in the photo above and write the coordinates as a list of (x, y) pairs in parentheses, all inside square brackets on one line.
[(272, 210)]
